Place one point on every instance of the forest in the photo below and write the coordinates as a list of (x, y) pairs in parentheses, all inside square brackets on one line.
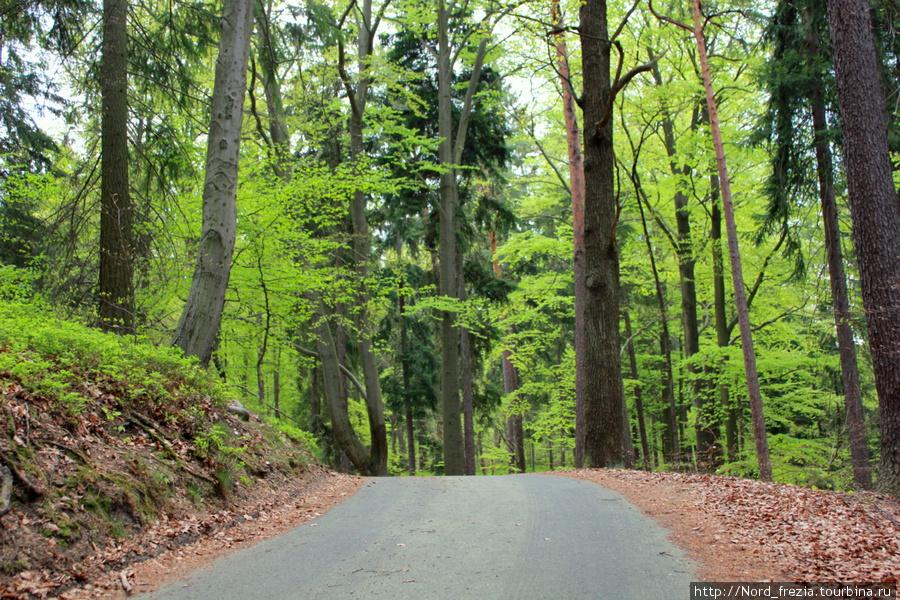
[(480, 236)]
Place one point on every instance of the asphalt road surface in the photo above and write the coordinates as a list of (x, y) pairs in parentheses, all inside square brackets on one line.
[(524, 537)]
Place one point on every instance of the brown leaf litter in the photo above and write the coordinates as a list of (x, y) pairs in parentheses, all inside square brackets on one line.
[(746, 530)]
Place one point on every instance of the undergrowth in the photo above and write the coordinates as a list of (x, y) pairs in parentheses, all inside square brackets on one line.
[(106, 434)]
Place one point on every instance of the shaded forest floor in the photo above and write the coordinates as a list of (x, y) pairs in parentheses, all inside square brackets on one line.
[(745, 530)]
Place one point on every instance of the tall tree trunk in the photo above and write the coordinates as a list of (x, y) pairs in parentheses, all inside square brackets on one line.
[(407, 401), (520, 439), (449, 154), (576, 185), (875, 211), (199, 324), (410, 440), (722, 330), (638, 399), (514, 426), (684, 248), (335, 398), (856, 426), (603, 399), (450, 408), (671, 419), (115, 287), (740, 296), (278, 132), (374, 402), (465, 359)]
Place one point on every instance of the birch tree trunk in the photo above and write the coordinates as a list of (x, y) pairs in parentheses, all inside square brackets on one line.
[(199, 324)]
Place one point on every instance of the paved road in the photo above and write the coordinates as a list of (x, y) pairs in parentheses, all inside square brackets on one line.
[(524, 537)]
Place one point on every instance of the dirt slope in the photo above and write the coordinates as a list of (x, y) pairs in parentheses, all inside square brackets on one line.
[(126, 480)]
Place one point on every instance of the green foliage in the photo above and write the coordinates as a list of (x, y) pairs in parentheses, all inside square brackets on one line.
[(52, 357)]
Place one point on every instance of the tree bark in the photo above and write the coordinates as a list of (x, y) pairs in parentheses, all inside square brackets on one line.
[(465, 360), (740, 296), (514, 426), (671, 419), (603, 399), (875, 210), (576, 185), (374, 401), (449, 153), (638, 399), (278, 131), (450, 406), (199, 323), (684, 248), (115, 286), (856, 426), (335, 398), (722, 329), (407, 401)]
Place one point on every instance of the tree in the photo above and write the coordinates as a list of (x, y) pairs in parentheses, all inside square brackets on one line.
[(603, 402), (358, 96), (604, 397), (199, 323), (449, 154), (797, 80), (875, 210), (115, 288), (576, 187)]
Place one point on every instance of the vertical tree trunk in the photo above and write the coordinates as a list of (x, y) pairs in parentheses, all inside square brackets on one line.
[(686, 262), (520, 438), (576, 185), (276, 390), (665, 339), (722, 337), (450, 406), (628, 459), (562, 450), (465, 359), (875, 211), (272, 88), (603, 398), (374, 401), (740, 296), (115, 287), (199, 324), (514, 427), (638, 399), (550, 452), (856, 426), (335, 398), (410, 440), (407, 401)]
